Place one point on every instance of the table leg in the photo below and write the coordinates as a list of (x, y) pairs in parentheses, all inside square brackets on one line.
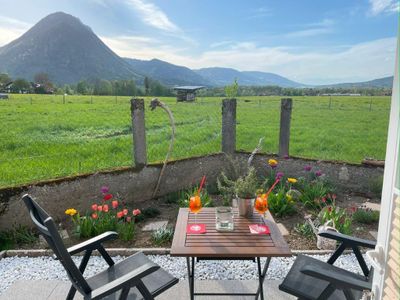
[(190, 268), (261, 277)]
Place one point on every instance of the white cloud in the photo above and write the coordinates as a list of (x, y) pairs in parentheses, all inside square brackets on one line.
[(384, 6), (323, 27), (357, 62), (10, 29), (152, 15)]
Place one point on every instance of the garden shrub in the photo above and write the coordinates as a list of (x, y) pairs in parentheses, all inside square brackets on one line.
[(108, 215), (366, 215)]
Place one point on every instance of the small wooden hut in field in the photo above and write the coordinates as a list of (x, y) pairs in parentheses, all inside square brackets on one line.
[(186, 93)]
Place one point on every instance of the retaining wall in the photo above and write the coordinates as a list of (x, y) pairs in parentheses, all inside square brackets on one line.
[(136, 185)]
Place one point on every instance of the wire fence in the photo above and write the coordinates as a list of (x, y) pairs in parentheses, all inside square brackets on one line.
[(48, 136)]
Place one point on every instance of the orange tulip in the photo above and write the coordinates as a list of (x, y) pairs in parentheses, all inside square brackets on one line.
[(114, 203), (120, 214)]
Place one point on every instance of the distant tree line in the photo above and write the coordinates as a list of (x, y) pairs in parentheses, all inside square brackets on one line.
[(282, 91), (41, 84)]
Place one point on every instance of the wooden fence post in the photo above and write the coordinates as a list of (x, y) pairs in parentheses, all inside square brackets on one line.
[(139, 132), (229, 126), (284, 134)]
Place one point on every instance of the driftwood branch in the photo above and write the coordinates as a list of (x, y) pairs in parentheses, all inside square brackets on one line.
[(153, 105), (255, 151)]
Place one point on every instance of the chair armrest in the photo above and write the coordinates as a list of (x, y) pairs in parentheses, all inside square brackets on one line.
[(128, 280), (92, 243), (349, 240), (339, 280)]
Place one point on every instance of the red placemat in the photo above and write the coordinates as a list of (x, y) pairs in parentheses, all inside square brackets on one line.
[(196, 228), (259, 229)]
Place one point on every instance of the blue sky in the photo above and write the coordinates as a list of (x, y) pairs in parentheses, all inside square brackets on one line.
[(313, 42)]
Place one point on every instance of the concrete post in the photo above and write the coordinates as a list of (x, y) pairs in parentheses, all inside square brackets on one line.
[(139, 132), (284, 134), (229, 126)]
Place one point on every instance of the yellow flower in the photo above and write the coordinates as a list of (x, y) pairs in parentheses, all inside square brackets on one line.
[(71, 212), (272, 162), (289, 197), (292, 180)]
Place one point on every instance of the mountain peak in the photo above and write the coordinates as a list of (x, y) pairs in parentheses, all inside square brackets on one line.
[(65, 48)]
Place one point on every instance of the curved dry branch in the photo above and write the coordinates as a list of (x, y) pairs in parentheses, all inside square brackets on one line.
[(153, 105)]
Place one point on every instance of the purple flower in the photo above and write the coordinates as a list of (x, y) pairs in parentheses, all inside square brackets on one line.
[(286, 156), (274, 166), (318, 173), (104, 189), (307, 168), (279, 175)]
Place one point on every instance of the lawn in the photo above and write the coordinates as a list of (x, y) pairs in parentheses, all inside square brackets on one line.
[(48, 136)]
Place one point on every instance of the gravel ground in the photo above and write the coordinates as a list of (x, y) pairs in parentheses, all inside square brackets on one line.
[(46, 268)]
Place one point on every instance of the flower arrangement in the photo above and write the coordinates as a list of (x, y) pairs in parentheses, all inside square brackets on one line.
[(108, 215)]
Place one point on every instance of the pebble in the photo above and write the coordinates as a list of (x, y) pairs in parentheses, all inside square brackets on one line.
[(46, 268)]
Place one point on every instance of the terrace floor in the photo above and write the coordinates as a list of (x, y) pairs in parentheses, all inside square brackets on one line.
[(53, 289)]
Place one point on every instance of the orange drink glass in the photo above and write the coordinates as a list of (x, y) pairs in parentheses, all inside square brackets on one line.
[(261, 204), (195, 206)]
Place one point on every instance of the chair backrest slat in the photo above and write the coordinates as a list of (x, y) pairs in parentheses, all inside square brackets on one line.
[(48, 229)]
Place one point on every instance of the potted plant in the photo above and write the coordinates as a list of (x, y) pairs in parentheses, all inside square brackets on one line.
[(245, 188)]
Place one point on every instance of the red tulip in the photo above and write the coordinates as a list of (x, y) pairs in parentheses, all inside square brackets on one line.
[(105, 207), (94, 216), (114, 203), (100, 208), (94, 207), (107, 197), (125, 211), (136, 212), (120, 214)]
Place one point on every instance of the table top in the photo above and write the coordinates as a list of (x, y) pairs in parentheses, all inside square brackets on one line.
[(237, 243)]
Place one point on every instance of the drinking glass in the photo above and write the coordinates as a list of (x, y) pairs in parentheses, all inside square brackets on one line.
[(261, 205), (195, 206)]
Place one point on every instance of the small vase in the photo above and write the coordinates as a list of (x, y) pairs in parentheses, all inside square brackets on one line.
[(245, 206)]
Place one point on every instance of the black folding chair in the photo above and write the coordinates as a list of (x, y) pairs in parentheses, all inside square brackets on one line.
[(313, 279), (136, 277)]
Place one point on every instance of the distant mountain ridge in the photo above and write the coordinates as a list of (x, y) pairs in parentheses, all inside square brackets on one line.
[(225, 76), (69, 51), (385, 82), (167, 73)]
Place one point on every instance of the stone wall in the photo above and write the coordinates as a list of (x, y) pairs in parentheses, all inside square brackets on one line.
[(137, 185)]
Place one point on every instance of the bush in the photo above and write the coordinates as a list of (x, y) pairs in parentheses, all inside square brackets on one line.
[(305, 229), (314, 194), (366, 215), (204, 196), (340, 217), (162, 236), (281, 203), (108, 215), (18, 235)]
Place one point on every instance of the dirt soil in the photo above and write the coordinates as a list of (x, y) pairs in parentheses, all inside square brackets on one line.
[(169, 211)]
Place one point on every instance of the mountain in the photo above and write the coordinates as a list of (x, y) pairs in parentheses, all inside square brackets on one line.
[(225, 76), (167, 73), (385, 82), (64, 48)]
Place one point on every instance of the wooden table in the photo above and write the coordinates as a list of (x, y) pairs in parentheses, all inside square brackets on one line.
[(236, 244)]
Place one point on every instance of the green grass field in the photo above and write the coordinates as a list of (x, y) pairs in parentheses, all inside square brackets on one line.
[(48, 136)]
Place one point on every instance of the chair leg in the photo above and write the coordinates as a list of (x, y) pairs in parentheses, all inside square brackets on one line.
[(124, 293), (337, 253), (361, 261), (327, 292), (105, 255), (144, 291), (82, 267)]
